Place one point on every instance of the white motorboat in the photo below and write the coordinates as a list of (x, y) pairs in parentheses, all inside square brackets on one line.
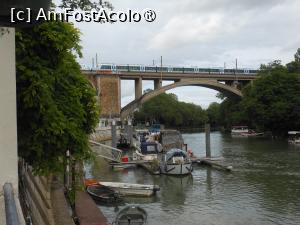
[(176, 162), (294, 137), (129, 189), (239, 131), (244, 131)]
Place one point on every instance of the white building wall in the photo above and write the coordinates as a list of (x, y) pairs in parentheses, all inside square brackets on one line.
[(8, 111)]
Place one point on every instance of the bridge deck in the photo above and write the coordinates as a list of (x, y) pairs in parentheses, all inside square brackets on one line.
[(174, 75)]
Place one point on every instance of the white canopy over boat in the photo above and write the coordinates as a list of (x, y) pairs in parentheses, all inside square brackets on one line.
[(175, 153), (293, 132)]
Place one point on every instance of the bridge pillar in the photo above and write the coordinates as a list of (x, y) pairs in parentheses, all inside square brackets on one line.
[(110, 96), (138, 87), (157, 84)]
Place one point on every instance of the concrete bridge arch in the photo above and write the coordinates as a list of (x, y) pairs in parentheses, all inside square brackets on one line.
[(227, 90)]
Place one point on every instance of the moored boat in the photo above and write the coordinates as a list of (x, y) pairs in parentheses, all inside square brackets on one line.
[(148, 151), (294, 137), (103, 194), (176, 162), (128, 189), (244, 131), (252, 133), (131, 215), (239, 130)]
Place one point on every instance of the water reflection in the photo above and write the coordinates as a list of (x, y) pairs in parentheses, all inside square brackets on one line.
[(174, 191)]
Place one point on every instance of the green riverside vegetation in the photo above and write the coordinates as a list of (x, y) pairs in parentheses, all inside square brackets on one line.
[(167, 110), (270, 103), (56, 104), (57, 108)]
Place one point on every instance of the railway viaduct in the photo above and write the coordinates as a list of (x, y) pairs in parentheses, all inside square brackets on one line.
[(108, 87)]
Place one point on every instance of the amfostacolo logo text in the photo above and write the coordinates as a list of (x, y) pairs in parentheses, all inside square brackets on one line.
[(98, 16)]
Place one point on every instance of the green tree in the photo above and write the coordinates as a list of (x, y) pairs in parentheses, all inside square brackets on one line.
[(166, 109), (294, 67), (273, 101), (231, 114), (270, 103), (56, 105), (213, 113), (85, 4)]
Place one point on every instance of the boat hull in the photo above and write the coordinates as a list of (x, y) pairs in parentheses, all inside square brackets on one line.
[(127, 189), (131, 215), (295, 142), (176, 169), (103, 194)]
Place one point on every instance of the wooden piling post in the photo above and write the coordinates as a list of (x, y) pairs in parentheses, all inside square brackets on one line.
[(207, 140), (130, 132), (113, 134)]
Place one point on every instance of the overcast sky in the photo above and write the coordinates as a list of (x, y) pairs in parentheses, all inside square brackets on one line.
[(196, 33)]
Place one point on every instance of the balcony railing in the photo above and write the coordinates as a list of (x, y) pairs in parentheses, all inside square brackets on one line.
[(11, 212)]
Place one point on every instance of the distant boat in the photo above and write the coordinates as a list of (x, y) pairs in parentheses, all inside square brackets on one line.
[(131, 215), (176, 162), (244, 131), (294, 137), (103, 194), (252, 133), (129, 189), (239, 130)]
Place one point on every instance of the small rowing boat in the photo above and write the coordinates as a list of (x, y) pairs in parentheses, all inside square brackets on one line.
[(129, 189), (131, 215), (103, 194)]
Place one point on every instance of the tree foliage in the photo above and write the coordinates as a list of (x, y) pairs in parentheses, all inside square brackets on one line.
[(270, 103), (213, 113), (85, 4), (273, 101), (166, 109), (56, 104)]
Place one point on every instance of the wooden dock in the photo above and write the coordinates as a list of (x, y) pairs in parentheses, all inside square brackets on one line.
[(217, 163), (138, 163), (87, 211)]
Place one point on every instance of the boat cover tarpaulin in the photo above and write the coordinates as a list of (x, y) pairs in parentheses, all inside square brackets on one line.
[(175, 152)]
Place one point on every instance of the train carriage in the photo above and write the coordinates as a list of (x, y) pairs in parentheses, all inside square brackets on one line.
[(169, 69)]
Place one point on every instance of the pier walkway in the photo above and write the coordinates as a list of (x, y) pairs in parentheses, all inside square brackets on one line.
[(87, 211)]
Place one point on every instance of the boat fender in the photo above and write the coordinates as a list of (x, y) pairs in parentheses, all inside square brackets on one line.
[(190, 152)]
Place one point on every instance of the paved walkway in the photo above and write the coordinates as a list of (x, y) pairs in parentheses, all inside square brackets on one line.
[(87, 211), (2, 210)]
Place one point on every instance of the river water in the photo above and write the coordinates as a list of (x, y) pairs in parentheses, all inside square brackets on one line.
[(264, 187)]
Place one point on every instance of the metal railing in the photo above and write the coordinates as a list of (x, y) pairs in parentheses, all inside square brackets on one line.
[(11, 212), (106, 151)]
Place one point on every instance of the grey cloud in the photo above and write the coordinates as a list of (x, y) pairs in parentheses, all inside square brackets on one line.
[(199, 33)]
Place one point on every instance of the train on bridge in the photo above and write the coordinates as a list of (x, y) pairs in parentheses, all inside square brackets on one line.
[(113, 68)]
